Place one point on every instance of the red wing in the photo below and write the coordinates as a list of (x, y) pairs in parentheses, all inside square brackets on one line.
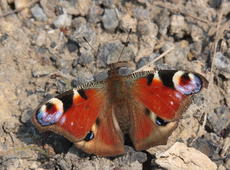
[(80, 116), (161, 99)]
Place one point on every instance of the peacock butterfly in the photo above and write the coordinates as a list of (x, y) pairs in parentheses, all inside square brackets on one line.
[(144, 105)]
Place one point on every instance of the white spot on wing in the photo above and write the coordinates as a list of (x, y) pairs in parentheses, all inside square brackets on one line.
[(156, 76), (76, 94), (176, 77)]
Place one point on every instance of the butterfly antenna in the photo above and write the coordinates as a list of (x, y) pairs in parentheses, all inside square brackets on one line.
[(126, 43), (89, 44)]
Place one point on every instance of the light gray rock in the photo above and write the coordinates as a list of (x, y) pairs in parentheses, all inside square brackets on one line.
[(38, 13), (110, 20)]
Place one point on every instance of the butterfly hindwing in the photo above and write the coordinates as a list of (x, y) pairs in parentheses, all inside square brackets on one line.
[(82, 116), (160, 98)]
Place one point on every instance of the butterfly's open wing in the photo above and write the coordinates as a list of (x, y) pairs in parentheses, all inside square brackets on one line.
[(84, 116), (158, 100)]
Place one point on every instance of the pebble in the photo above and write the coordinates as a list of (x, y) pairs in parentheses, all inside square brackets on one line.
[(141, 14), (10, 126), (219, 120), (179, 155), (85, 58), (82, 77), (205, 146), (127, 22), (222, 62), (95, 13), (215, 3), (38, 13), (163, 22), (145, 60), (41, 39), (63, 20), (110, 52), (36, 73), (83, 6), (146, 27), (83, 31), (26, 115), (178, 26), (72, 45), (109, 20), (108, 3), (197, 33)]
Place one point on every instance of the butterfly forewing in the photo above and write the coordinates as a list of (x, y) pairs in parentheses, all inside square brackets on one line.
[(85, 117), (160, 98)]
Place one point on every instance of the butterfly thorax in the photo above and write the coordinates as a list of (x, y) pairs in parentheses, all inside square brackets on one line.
[(119, 98)]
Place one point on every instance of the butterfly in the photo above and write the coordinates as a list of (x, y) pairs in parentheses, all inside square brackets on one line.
[(98, 116)]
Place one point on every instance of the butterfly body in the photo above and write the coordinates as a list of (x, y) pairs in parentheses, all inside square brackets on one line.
[(97, 116)]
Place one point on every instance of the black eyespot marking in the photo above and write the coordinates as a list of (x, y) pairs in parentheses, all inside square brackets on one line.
[(49, 106), (166, 77), (161, 122), (82, 94), (67, 99), (89, 136), (149, 79), (185, 77)]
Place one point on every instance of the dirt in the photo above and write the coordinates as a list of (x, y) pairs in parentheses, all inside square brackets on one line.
[(43, 53)]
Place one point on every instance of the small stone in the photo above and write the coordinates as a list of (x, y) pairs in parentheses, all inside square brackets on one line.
[(63, 65), (178, 26), (82, 77), (222, 62), (63, 20), (219, 120), (179, 155), (109, 53), (36, 72), (84, 59), (21, 4), (95, 13), (38, 13), (83, 6), (110, 20), (141, 14), (196, 33), (127, 23), (9, 126), (71, 45), (41, 39), (163, 22), (108, 3), (3, 38), (26, 115), (215, 3), (84, 31), (206, 146), (78, 22), (145, 60), (144, 27)]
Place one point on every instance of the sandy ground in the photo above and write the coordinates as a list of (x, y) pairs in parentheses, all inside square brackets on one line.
[(43, 53)]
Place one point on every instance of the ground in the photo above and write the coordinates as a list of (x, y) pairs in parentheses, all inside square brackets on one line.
[(43, 53)]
